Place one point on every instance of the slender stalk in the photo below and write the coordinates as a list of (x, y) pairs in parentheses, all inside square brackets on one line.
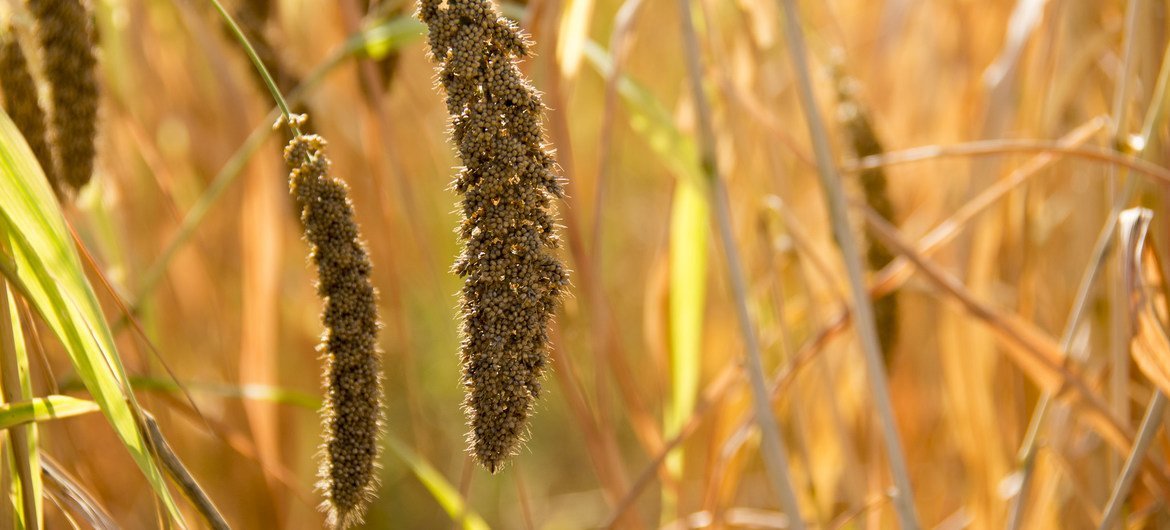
[(903, 498), (775, 452), (1006, 147), (70, 494), (251, 52), (227, 175), (619, 44), (1116, 290), (1133, 463), (181, 476), (19, 435), (1028, 448), (1135, 236)]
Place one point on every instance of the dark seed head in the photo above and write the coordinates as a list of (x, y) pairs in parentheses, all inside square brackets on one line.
[(864, 141), (512, 278), (20, 101), (351, 415), (68, 48)]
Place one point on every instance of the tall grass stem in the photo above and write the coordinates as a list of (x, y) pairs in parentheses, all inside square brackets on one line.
[(251, 52), (863, 309), (1133, 463), (774, 451), (181, 476), (10, 383)]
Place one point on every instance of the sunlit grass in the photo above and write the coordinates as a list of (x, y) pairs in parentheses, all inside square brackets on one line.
[(1015, 133)]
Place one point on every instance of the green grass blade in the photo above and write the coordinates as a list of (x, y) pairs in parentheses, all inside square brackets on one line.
[(45, 267), (13, 511), (447, 496), (26, 459), (44, 409), (689, 219)]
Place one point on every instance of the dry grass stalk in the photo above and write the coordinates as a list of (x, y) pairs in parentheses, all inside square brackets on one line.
[(903, 498), (513, 280), (20, 101), (351, 415), (69, 64)]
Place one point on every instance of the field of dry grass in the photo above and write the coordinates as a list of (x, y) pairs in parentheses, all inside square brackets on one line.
[(1021, 315)]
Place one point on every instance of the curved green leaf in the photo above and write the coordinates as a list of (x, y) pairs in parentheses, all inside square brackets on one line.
[(45, 268)]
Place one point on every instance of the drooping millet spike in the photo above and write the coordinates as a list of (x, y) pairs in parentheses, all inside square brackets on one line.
[(20, 101), (512, 279), (352, 412), (864, 141), (67, 46)]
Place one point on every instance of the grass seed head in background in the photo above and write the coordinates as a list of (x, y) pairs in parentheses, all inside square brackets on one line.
[(864, 142), (20, 101), (513, 280), (352, 413), (68, 50)]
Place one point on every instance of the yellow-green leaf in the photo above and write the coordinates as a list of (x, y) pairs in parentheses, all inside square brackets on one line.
[(14, 377), (45, 269), (44, 409)]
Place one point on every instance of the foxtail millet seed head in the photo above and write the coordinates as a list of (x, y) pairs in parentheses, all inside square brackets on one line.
[(22, 105), (864, 142), (512, 278), (67, 45), (352, 412)]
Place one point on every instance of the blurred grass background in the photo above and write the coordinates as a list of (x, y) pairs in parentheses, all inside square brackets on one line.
[(647, 345)]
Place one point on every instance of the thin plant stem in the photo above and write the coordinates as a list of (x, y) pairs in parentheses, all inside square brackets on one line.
[(226, 176), (1134, 228), (1028, 449), (1119, 332), (181, 476), (251, 52), (18, 435), (619, 44), (774, 451), (1006, 147), (69, 492), (1133, 463), (903, 498)]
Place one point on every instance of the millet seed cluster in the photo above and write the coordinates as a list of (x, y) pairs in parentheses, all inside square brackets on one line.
[(513, 281), (864, 141), (68, 48), (351, 415), (20, 101)]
